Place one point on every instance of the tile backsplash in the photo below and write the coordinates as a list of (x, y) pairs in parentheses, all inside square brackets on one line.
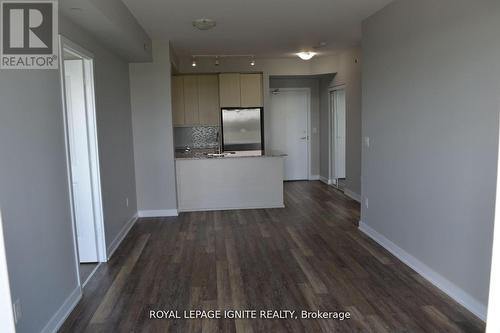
[(196, 137)]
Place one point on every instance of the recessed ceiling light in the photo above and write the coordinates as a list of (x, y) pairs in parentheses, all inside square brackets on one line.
[(193, 63), (252, 62), (204, 23), (306, 55)]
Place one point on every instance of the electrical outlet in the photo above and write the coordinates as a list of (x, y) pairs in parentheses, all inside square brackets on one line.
[(16, 308), (126, 201), (366, 202)]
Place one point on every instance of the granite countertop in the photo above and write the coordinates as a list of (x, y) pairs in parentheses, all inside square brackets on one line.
[(197, 154)]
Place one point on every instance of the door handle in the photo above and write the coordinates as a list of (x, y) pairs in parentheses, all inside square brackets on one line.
[(303, 138)]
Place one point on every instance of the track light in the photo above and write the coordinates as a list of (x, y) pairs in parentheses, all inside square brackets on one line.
[(216, 58)]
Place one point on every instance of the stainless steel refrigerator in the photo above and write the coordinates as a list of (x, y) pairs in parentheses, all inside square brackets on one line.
[(242, 129)]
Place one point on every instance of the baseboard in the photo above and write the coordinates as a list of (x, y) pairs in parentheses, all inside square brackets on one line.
[(325, 180), (158, 213), (448, 287), (352, 195), (121, 235), (314, 177), (64, 311)]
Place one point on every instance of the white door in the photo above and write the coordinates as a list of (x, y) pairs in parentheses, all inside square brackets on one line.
[(289, 131), (80, 161), (339, 133)]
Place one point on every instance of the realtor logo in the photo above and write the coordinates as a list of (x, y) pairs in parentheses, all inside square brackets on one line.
[(28, 34)]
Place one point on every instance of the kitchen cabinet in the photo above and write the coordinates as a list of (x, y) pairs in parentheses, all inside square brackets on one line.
[(208, 99), (240, 90), (195, 100), (229, 89), (178, 100), (251, 90), (191, 106)]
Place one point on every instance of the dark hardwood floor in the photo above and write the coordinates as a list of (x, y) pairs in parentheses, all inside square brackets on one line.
[(85, 270), (308, 256)]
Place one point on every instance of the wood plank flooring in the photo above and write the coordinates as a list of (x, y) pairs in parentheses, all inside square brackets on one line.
[(86, 269), (307, 256)]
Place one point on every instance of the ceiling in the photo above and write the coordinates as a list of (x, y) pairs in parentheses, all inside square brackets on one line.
[(265, 28)]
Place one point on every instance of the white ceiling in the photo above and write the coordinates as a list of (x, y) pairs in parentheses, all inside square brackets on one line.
[(266, 28)]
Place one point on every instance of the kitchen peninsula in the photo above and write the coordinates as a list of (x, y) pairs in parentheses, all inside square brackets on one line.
[(242, 180)]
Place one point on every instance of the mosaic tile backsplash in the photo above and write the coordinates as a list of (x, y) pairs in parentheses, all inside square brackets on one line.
[(196, 137)]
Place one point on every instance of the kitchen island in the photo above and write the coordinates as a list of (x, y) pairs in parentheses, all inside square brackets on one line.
[(238, 180)]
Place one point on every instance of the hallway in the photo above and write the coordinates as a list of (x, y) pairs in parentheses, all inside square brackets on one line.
[(308, 256)]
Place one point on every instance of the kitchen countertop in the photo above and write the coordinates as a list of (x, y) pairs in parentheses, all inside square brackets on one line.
[(201, 154)]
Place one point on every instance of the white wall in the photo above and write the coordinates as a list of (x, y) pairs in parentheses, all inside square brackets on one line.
[(431, 91), (153, 132)]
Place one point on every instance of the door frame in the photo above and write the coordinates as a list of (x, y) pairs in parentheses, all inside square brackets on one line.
[(492, 319), (7, 320), (88, 61), (331, 119), (308, 125)]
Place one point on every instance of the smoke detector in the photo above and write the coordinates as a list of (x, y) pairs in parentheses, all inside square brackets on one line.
[(320, 45), (204, 23)]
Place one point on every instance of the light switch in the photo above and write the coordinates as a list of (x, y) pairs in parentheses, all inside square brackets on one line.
[(367, 141)]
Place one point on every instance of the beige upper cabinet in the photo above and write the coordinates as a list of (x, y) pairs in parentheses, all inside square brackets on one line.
[(195, 100), (178, 100), (191, 105), (251, 90), (208, 99), (240, 90), (229, 90)]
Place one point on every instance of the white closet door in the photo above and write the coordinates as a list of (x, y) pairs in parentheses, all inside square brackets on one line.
[(80, 161), (289, 134)]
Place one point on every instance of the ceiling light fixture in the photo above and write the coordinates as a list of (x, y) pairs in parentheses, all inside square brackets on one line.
[(204, 23), (306, 55), (217, 63), (252, 62), (193, 63)]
